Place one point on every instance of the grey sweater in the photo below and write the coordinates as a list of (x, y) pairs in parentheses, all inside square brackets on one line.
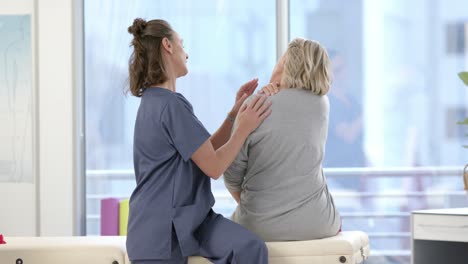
[(284, 194)]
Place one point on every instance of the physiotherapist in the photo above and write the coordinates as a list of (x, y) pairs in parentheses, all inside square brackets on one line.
[(175, 157)]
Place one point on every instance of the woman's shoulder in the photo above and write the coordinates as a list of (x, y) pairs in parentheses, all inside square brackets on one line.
[(164, 102), (296, 98), (165, 97), (177, 103), (298, 95)]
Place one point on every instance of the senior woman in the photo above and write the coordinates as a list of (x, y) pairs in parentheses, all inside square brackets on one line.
[(277, 177)]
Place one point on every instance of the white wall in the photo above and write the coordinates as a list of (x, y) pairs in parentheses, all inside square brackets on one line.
[(56, 117), (48, 206)]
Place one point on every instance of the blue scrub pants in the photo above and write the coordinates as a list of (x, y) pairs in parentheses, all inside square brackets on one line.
[(221, 241)]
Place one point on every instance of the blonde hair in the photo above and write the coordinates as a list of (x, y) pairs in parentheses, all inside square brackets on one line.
[(307, 66)]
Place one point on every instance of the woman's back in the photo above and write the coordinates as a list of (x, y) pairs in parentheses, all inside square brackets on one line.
[(284, 195)]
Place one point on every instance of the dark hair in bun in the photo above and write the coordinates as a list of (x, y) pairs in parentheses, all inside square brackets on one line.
[(146, 66), (137, 28)]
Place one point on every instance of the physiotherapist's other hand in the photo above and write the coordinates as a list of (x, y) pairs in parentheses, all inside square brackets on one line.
[(253, 114), (245, 91), (270, 89)]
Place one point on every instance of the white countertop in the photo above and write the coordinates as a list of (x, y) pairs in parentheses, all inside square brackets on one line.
[(450, 211)]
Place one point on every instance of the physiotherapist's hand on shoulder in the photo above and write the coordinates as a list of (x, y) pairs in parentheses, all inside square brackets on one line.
[(215, 162), (244, 92), (253, 114), (270, 89)]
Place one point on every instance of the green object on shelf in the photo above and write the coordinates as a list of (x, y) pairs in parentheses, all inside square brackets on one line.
[(465, 122), (464, 77), (123, 217)]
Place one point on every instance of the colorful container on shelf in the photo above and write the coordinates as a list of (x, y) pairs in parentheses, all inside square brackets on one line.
[(123, 217), (110, 217)]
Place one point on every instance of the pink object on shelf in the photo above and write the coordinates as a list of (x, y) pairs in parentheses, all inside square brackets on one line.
[(1, 240), (110, 217)]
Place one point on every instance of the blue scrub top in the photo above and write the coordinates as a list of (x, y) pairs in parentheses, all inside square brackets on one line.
[(171, 190)]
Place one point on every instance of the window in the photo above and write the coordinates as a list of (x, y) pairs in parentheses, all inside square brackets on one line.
[(394, 104), (393, 143), (228, 44)]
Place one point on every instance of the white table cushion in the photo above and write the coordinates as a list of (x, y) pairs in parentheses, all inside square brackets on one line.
[(347, 247), (58, 250)]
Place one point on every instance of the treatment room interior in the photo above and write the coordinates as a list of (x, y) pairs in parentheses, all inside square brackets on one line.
[(396, 154)]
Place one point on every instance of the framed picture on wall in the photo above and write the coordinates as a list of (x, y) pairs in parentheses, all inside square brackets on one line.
[(16, 96)]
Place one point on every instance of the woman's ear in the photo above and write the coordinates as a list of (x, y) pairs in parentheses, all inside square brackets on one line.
[(167, 45)]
